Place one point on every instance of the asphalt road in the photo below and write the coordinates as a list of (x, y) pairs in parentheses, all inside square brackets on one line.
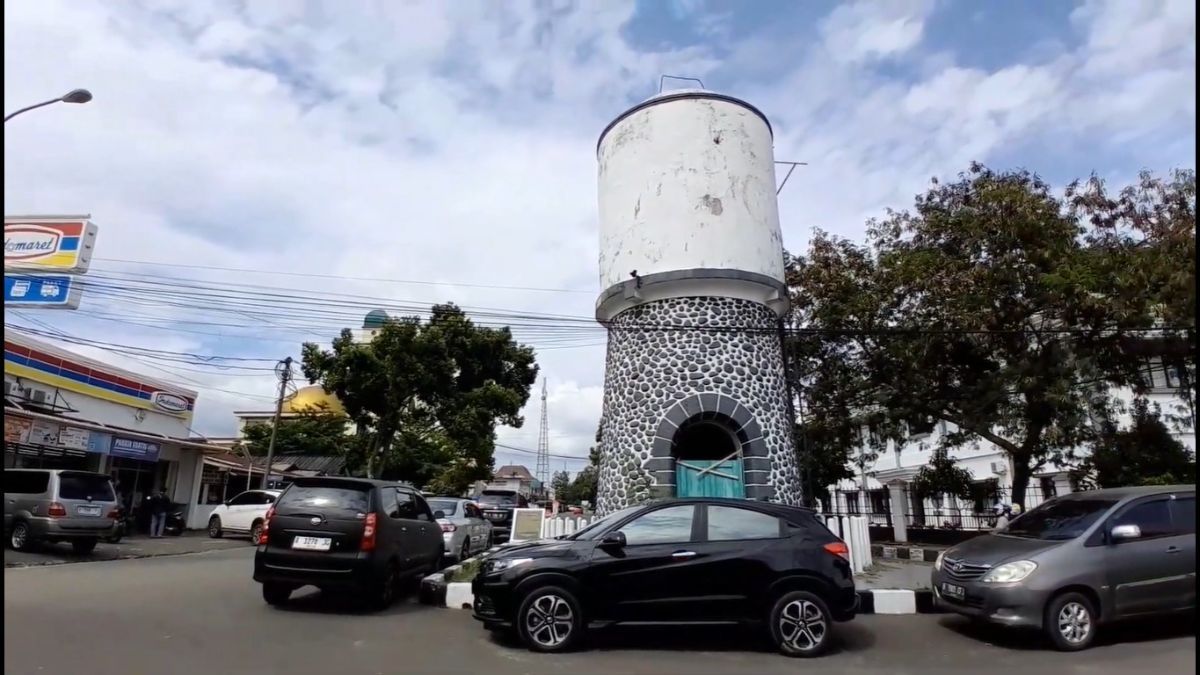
[(202, 614)]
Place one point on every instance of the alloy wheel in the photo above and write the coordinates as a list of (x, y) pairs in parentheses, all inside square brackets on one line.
[(802, 626), (20, 536), (549, 621), (1074, 623)]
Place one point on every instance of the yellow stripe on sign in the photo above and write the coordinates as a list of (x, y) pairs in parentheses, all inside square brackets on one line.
[(68, 384)]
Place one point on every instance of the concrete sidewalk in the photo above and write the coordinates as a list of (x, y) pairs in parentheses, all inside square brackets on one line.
[(131, 547)]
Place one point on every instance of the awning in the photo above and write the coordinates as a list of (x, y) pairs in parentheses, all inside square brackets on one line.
[(119, 431)]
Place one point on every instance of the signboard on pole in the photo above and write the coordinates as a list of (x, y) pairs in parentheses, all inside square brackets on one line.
[(527, 525), (62, 244), (46, 291)]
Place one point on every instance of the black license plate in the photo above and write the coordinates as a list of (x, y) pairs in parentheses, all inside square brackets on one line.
[(954, 592), (496, 515)]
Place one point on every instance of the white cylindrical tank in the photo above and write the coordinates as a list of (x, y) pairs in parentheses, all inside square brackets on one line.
[(687, 202)]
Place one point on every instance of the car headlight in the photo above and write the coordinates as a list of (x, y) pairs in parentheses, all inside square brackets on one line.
[(505, 564), (1010, 572), (937, 564)]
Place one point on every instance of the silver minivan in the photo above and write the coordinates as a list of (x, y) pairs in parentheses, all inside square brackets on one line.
[(1078, 561), (52, 505)]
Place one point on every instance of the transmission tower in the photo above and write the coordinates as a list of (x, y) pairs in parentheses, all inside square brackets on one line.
[(543, 449)]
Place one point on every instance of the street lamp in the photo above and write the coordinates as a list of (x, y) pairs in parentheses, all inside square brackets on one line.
[(73, 96)]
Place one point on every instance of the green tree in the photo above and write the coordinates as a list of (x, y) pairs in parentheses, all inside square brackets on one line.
[(1144, 453), (942, 476), (316, 432), (560, 483), (993, 305), (424, 394)]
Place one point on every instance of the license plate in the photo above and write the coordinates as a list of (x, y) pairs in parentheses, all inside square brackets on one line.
[(87, 510), (312, 543), (953, 592), (496, 515)]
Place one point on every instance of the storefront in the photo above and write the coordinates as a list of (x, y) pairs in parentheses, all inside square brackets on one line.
[(66, 411)]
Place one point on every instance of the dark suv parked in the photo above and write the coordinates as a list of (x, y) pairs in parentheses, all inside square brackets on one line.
[(702, 560), (346, 534), (497, 506)]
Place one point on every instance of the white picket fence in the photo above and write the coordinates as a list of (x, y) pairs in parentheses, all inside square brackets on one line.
[(556, 526), (851, 529)]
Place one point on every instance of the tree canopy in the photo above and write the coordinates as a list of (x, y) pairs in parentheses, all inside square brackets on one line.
[(309, 433), (995, 306), (1145, 453), (425, 396)]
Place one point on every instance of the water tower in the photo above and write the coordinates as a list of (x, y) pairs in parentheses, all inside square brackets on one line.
[(692, 272)]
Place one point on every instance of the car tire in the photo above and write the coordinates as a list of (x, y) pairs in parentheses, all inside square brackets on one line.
[(1070, 622), (21, 537), (490, 542), (214, 527), (256, 532), (83, 546), (465, 553), (800, 624), (387, 589), (276, 594), (550, 620)]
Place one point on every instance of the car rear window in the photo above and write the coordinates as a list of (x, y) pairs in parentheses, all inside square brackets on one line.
[(497, 499), (448, 507), (84, 487), (323, 497)]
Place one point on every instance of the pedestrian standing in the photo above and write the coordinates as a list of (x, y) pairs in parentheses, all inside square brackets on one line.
[(1004, 515), (159, 504)]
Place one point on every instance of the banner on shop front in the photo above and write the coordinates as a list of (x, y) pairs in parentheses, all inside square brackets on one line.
[(134, 449), (16, 429), (43, 433), (74, 438), (99, 442)]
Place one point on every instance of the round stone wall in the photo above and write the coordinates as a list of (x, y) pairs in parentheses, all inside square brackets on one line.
[(693, 358)]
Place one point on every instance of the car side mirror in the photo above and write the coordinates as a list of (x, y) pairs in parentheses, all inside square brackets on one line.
[(1125, 533), (614, 539), (437, 515)]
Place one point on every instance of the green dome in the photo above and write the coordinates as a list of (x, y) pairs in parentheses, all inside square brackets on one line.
[(375, 319)]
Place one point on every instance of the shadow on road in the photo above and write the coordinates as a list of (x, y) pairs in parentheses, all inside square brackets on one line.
[(847, 637), (310, 600), (1145, 630)]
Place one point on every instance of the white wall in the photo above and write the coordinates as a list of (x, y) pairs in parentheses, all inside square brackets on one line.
[(672, 197)]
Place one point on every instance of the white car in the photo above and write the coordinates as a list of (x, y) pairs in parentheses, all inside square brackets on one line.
[(244, 514)]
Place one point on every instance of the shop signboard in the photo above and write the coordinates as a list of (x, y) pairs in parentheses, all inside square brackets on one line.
[(16, 429), (134, 449), (43, 433), (74, 438), (99, 442), (46, 291), (61, 244)]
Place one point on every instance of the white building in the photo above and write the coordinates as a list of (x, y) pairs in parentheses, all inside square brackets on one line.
[(880, 488), (66, 411)]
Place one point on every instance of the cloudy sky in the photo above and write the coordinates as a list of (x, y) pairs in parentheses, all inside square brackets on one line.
[(264, 172)]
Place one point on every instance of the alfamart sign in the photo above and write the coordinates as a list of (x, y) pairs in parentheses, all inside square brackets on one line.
[(60, 244)]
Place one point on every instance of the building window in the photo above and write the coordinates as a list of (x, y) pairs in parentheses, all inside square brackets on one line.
[(851, 502), (879, 501), (1049, 487)]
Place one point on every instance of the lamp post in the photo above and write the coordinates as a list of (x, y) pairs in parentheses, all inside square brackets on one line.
[(73, 96)]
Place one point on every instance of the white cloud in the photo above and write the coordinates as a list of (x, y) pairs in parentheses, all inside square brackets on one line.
[(454, 142)]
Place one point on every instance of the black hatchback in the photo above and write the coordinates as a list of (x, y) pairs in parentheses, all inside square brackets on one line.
[(346, 534), (677, 561)]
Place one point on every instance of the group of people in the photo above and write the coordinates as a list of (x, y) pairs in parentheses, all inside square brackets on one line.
[(1005, 514)]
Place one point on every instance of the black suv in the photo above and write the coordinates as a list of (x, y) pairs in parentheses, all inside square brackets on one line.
[(702, 560), (346, 534), (497, 506)]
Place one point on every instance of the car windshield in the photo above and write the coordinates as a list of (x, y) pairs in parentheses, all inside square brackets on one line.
[(84, 486), (591, 531), (502, 499), (322, 497), (1059, 519), (448, 507)]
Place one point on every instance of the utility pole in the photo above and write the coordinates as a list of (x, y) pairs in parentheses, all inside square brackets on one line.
[(284, 372), (543, 450)]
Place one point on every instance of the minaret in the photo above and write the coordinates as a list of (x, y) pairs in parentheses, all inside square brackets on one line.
[(692, 272)]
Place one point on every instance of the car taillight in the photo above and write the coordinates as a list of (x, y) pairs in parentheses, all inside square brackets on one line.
[(839, 549), (368, 538), (115, 514), (262, 535), (448, 527), (56, 510)]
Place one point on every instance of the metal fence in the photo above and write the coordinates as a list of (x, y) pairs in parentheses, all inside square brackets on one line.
[(940, 512)]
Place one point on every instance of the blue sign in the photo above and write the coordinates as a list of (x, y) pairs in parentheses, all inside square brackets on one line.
[(99, 442), (131, 449), (48, 291)]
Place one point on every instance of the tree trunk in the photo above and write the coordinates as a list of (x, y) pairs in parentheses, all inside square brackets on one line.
[(1020, 480)]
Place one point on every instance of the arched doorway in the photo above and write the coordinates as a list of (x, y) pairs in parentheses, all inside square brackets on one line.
[(708, 458)]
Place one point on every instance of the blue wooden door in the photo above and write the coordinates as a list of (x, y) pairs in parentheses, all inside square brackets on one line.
[(708, 478)]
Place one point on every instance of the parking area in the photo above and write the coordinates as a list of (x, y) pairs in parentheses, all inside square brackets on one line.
[(203, 614), (130, 547)]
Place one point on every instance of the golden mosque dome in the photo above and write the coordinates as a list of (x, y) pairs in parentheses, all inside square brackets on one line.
[(313, 399)]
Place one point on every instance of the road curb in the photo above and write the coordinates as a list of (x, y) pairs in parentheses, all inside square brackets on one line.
[(914, 553)]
